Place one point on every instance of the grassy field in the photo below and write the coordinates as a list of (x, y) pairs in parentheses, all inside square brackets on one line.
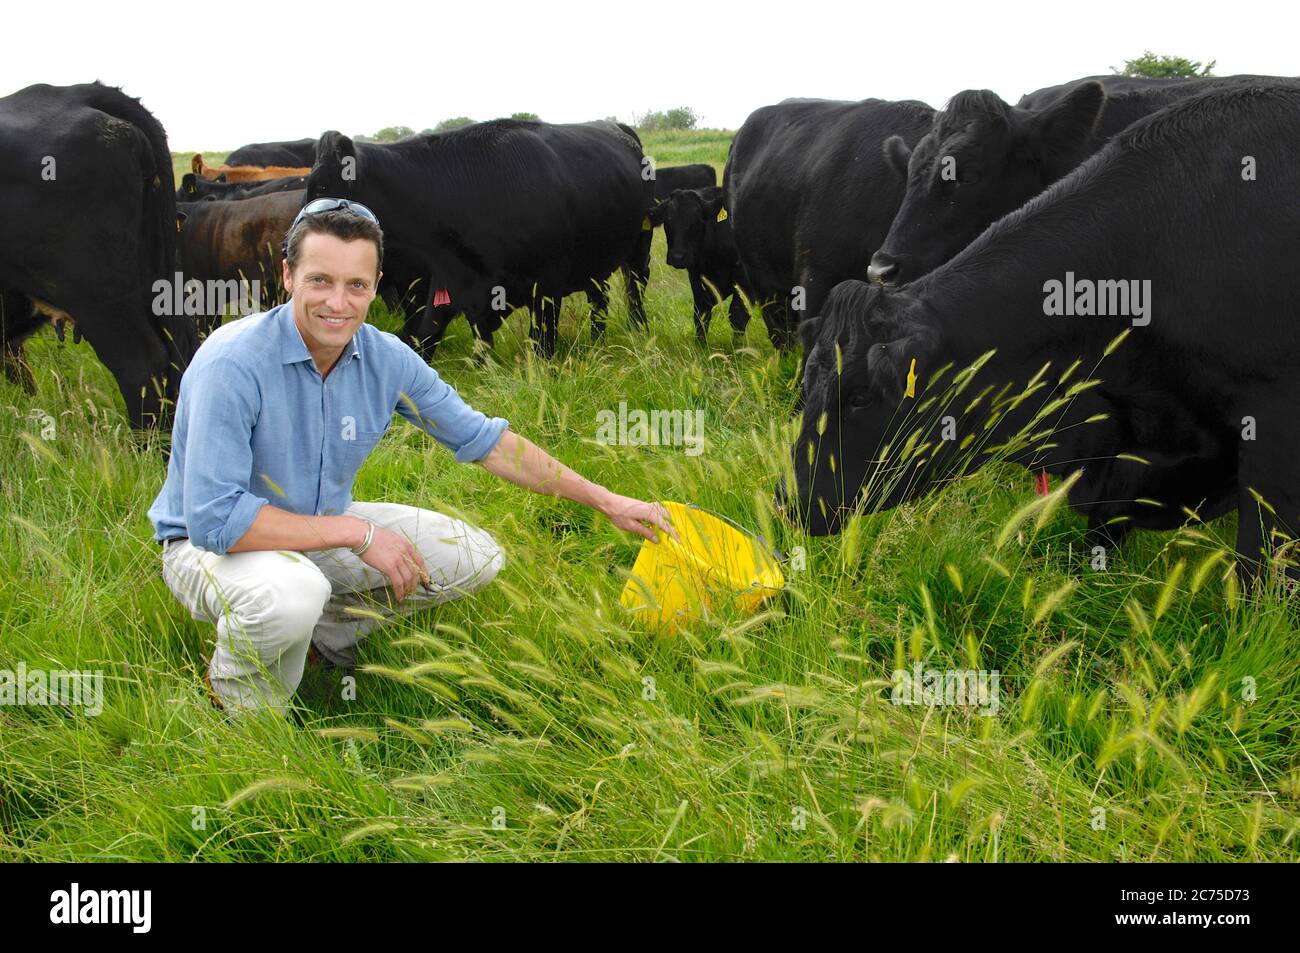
[(1148, 712)]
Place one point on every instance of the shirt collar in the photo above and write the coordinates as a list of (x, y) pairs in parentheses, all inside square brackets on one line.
[(293, 349)]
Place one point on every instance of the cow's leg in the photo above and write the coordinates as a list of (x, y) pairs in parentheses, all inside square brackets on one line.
[(636, 275), (484, 324), (775, 317), (425, 327), (546, 322), (738, 314), (598, 297), (815, 289), (1269, 499), (126, 343), (18, 321), (1109, 536), (703, 301)]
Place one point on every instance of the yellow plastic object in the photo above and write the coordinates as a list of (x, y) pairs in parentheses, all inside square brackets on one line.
[(715, 564)]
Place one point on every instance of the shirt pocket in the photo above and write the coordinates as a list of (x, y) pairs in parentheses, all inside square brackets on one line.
[(355, 451)]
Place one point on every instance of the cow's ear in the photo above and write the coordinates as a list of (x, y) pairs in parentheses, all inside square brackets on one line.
[(180, 219), (897, 155), (656, 214), (335, 145), (712, 198), (187, 184), (1065, 126), (196, 164)]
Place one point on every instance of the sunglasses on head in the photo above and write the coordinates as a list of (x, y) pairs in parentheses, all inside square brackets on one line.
[(317, 206)]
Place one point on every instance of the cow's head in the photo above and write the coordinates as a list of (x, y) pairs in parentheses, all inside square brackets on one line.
[(335, 171), (980, 160), (687, 216), (866, 366)]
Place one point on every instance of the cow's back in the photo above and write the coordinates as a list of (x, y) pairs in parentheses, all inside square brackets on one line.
[(502, 201), (809, 190)]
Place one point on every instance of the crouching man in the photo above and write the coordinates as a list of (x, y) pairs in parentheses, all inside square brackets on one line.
[(276, 414)]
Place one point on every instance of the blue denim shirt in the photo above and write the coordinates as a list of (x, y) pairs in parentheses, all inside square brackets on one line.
[(255, 423)]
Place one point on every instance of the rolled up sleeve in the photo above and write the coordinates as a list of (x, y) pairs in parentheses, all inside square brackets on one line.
[(433, 405), (219, 507)]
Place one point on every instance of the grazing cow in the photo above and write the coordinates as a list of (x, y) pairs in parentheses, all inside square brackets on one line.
[(243, 173), (1166, 223), (196, 188), (87, 225), (295, 153), (982, 158), (699, 240), (502, 214), (232, 241), (810, 197), (697, 175)]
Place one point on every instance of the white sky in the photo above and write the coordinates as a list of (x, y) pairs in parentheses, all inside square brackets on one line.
[(284, 71)]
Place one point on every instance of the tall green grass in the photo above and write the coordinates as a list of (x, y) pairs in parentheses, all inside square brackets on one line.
[(536, 721)]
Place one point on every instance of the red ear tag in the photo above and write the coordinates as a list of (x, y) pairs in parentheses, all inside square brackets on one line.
[(1040, 483), (441, 297)]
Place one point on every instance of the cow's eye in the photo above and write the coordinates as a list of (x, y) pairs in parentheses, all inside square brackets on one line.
[(968, 176)]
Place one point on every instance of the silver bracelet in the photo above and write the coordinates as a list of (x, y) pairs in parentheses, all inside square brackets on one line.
[(370, 535)]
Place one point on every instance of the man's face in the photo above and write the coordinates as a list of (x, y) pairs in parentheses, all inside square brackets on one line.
[(332, 288)]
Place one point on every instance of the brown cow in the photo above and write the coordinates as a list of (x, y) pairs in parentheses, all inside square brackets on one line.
[(229, 241), (244, 173)]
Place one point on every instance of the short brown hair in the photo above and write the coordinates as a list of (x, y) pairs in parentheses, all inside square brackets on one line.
[(341, 224)]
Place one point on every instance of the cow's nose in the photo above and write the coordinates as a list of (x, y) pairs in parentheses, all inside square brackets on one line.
[(883, 268)]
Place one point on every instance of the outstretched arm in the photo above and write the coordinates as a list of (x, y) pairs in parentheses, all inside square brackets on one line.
[(522, 462)]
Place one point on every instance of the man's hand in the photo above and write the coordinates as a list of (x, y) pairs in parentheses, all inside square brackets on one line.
[(397, 559), (631, 514)]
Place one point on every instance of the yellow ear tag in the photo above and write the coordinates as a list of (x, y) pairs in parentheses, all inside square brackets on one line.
[(645, 224), (722, 215), (911, 380)]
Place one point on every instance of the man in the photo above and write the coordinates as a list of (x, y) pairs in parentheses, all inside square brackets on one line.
[(276, 414)]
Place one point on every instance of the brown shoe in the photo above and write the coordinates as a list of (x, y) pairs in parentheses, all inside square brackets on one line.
[(212, 696)]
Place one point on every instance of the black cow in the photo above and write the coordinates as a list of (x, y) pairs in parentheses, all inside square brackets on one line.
[(197, 189), (296, 154), (503, 214), (697, 175), (87, 225), (983, 158), (1110, 83), (702, 244), (1201, 393), (810, 197), (232, 241)]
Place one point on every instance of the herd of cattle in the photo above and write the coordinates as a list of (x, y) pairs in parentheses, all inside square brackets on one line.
[(910, 251)]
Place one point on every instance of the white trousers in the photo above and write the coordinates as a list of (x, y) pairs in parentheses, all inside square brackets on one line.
[(269, 606)]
